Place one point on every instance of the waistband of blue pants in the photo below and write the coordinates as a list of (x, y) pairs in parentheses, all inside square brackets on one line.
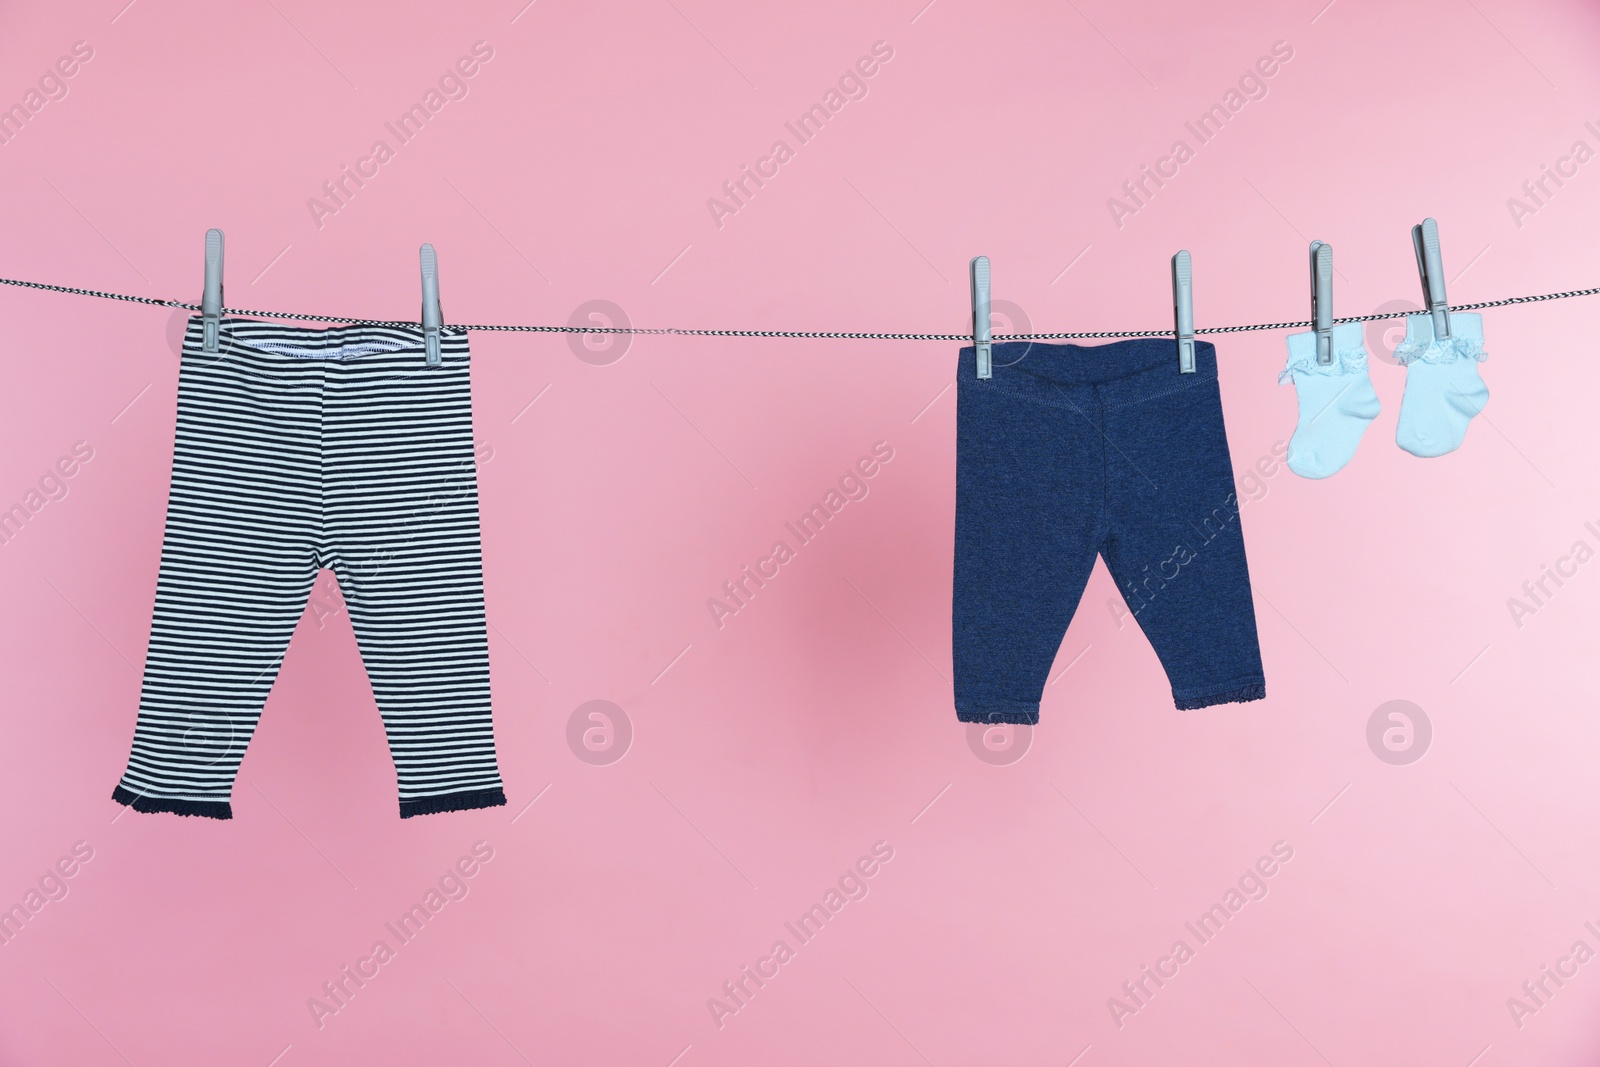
[(1120, 373)]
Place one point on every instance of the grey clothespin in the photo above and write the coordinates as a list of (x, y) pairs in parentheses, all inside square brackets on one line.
[(432, 319), (981, 329), (1425, 239), (1322, 299), (211, 299), (1183, 310)]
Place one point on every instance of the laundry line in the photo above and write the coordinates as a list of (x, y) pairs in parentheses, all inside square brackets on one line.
[(852, 335)]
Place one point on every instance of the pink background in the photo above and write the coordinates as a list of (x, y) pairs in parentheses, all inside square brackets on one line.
[(770, 754)]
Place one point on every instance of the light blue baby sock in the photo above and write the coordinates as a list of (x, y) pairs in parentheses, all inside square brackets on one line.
[(1336, 401), (1443, 390)]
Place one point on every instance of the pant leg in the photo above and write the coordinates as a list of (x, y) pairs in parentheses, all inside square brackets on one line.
[(1029, 509), (237, 564), (1175, 545), (403, 537)]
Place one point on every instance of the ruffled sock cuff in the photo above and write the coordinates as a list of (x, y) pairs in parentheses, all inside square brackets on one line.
[(1349, 354), (1421, 346)]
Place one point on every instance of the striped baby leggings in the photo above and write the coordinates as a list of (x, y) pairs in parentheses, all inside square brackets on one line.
[(299, 449)]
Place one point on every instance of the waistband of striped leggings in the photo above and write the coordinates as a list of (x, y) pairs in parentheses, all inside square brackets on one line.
[(342, 343)]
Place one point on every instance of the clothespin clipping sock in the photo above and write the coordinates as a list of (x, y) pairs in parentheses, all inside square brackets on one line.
[(1322, 300), (981, 329), (1425, 238), (1335, 396), (432, 319), (1183, 310), (211, 298), (1443, 388)]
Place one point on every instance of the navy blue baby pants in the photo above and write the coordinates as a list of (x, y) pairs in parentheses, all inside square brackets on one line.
[(1071, 451)]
